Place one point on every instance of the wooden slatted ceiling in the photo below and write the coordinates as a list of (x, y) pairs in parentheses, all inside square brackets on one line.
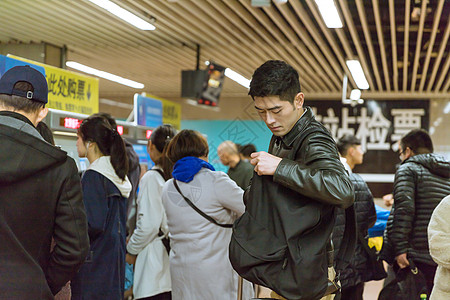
[(402, 57)]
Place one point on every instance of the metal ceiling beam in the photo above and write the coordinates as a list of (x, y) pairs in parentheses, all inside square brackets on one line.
[(406, 45), (357, 43), (437, 18), (418, 45), (313, 83), (318, 40), (394, 44), (444, 74), (368, 38), (326, 71), (332, 41), (437, 62), (376, 12)]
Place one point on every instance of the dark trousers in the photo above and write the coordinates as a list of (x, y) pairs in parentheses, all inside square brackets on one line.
[(353, 292), (429, 272), (163, 296)]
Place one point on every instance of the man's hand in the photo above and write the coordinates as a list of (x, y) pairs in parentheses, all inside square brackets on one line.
[(130, 259), (402, 260), (265, 163), (388, 200)]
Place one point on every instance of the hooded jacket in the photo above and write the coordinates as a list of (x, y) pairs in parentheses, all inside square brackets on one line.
[(40, 198), (421, 182), (105, 196)]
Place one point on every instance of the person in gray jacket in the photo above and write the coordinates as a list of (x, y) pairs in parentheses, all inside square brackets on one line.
[(40, 196)]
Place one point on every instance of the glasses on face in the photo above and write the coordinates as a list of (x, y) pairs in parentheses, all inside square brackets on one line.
[(402, 152)]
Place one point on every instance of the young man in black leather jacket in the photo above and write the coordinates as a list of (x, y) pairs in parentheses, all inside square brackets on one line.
[(316, 173)]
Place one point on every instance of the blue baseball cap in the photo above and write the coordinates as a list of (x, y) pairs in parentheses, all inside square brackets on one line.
[(27, 74)]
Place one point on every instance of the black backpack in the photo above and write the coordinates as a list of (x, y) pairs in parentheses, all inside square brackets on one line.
[(281, 240)]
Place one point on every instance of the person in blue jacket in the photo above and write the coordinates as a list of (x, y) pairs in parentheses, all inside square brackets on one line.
[(105, 192)]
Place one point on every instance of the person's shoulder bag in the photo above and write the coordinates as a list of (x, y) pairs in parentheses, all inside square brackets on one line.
[(198, 210), (409, 284)]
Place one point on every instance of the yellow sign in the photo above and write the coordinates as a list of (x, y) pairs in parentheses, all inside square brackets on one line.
[(69, 91), (171, 111)]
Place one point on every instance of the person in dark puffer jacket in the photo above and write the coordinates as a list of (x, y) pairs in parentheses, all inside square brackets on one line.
[(421, 181), (357, 272)]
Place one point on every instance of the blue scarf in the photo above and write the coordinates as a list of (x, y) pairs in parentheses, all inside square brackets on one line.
[(186, 168)]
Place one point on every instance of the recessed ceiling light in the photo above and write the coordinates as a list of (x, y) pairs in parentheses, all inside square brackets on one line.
[(103, 74), (124, 14)]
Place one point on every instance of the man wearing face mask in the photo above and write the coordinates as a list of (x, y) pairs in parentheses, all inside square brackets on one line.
[(40, 196), (421, 181)]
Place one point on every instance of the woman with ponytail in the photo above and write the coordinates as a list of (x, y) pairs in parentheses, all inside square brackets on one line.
[(105, 192), (151, 273)]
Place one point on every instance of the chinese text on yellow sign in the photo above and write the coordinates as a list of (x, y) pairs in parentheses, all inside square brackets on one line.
[(69, 91)]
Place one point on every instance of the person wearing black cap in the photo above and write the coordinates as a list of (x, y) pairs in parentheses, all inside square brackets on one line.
[(40, 196)]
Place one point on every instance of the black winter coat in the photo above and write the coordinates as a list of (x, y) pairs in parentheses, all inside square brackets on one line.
[(314, 179), (40, 198), (357, 271), (421, 182)]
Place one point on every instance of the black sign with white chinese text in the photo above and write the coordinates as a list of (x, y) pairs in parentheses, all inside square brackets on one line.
[(378, 124)]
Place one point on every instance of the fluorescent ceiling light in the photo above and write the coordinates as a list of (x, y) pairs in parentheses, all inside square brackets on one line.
[(447, 108), (357, 74), (104, 74), (237, 77), (355, 94), (329, 13), (124, 14)]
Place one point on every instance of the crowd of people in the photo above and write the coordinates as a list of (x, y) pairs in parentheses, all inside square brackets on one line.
[(173, 222)]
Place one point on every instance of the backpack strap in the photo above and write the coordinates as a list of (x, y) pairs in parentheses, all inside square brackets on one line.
[(160, 172), (198, 210)]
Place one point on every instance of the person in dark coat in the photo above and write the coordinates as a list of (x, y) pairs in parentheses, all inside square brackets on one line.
[(105, 191), (40, 196), (240, 171), (421, 181), (358, 271)]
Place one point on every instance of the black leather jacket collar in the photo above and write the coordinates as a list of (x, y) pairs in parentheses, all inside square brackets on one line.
[(302, 123)]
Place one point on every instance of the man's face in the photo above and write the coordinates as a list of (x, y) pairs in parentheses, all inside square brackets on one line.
[(403, 152), (280, 116), (224, 157), (357, 154)]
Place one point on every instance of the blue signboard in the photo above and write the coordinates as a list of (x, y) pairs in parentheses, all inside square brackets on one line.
[(148, 111), (144, 157), (7, 63)]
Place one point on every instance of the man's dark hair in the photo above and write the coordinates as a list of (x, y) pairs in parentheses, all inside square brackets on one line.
[(275, 78), (347, 141), (246, 150), (418, 141), (21, 103), (187, 143)]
